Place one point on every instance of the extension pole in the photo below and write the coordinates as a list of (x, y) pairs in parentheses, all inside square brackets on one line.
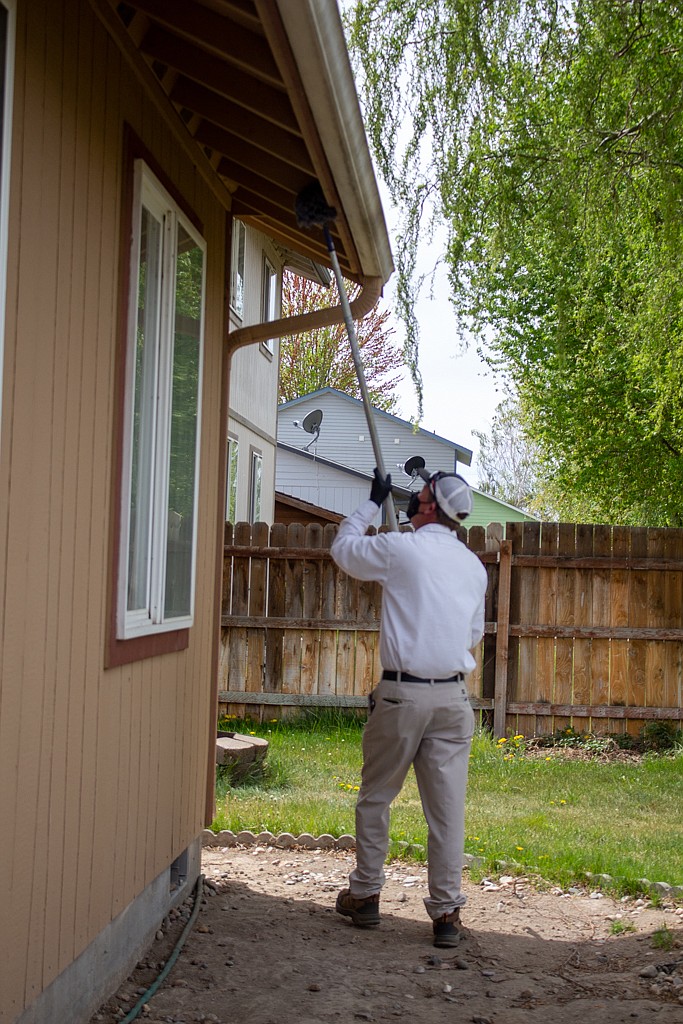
[(357, 362)]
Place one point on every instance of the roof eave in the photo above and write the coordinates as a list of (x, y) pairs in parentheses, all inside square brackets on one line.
[(316, 38)]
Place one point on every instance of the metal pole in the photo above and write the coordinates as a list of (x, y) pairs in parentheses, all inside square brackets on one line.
[(357, 361)]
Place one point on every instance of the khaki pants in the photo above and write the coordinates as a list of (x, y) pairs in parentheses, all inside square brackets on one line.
[(430, 726)]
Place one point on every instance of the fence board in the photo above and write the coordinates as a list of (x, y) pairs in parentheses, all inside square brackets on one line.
[(345, 662), (327, 662), (256, 637), (637, 616), (654, 663), (564, 616), (487, 684), (259, 570), (311, 607), (547, 602), (502, 675), (600, 649), (618, 612), (514, 536), (294, 604), (673, 600), (277, 609), (582, 616), (239, 605), (527, 686)]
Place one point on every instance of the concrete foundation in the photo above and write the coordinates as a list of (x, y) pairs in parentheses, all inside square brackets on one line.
[(84, 985)]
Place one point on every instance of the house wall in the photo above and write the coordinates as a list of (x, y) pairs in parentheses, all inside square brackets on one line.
[(486, 509), (103, 771), (321, 485), (254, 385), (344, 436)]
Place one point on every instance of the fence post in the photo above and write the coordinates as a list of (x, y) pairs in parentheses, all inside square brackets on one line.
[(502, 638)]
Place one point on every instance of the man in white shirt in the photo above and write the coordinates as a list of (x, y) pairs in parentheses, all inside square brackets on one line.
[(432, 616)]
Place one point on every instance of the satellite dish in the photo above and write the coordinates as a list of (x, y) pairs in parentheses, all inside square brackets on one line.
[(411, 467), (311, 423)]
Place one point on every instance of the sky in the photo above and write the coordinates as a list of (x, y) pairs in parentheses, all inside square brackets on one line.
[(460, 392)]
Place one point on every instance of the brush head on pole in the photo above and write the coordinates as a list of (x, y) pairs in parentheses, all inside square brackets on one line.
[(311, 207)]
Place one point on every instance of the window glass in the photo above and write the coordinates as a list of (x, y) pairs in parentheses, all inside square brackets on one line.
[(146, 352), (160, 472), (256, 472), (184, 399), (231, 483), (237, 268), (269, 304)]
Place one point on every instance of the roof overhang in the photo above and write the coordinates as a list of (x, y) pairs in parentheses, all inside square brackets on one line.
[(264, 93)]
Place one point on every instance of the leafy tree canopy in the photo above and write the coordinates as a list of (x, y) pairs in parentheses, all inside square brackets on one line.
[(322, 358), (548, 136)]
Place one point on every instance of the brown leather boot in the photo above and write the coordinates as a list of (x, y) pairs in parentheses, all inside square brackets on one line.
[(448, 930), (363, 911)]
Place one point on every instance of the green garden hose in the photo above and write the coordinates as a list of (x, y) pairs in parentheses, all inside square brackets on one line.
[(171, 960)]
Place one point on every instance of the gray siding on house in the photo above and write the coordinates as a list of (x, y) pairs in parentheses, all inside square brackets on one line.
[(253, 385), (344, 436), (345, 440), (326, 486)]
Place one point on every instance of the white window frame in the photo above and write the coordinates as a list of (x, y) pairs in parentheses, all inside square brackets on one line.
[(151, 194), (237, 268), (269, 299), (255, 486), (5, 164), (233, 456)]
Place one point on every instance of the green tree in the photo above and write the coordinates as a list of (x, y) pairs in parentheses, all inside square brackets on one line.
[(548, 136), (322, 357), (509, 462)]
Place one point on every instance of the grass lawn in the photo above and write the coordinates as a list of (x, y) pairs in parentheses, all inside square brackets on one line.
[(560, 818)]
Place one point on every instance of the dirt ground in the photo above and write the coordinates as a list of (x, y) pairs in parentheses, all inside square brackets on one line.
[(267, 947)]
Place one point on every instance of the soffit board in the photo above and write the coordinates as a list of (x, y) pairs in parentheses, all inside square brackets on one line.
[(265, 91)]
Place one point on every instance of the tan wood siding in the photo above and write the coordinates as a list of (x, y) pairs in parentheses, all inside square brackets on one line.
[(103, 770)]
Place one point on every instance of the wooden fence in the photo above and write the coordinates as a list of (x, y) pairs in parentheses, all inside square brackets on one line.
[(583, 625)]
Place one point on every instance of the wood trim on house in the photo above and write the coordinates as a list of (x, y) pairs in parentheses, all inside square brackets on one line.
[(119, 651)]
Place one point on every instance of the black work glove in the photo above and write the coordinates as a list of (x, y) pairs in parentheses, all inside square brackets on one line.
[(381, 488)]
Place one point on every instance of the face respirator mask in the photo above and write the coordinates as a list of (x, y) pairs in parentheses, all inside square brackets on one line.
[(413, 505)]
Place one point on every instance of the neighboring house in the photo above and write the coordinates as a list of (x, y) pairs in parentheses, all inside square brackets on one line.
[(326, 485), (487, 509), (255, 295), (332, 467), (133, 137)]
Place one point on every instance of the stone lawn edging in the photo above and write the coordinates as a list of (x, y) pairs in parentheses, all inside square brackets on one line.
[(306, 841)]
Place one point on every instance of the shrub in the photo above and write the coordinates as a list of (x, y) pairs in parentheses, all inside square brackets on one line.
[(661, 736)]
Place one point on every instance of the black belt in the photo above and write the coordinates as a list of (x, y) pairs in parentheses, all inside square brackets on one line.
[(406, 677)]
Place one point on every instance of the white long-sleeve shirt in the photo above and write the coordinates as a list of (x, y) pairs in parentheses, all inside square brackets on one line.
[(433, 590)]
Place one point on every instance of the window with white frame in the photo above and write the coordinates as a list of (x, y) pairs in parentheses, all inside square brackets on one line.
[(7, 31), (162, 406), (255, 487), (231, 481), (239, 240), (269, 299)]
